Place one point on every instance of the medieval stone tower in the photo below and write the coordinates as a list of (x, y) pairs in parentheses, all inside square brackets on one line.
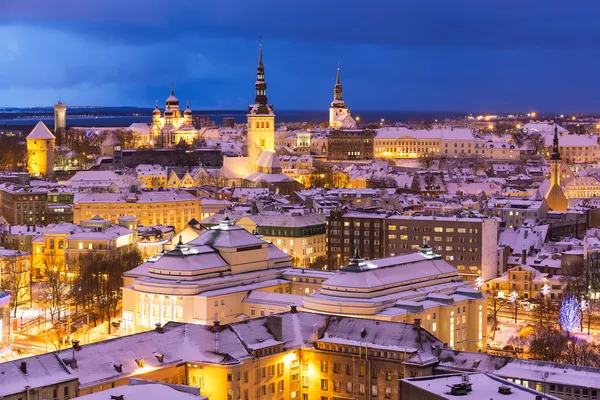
[(40, 151)]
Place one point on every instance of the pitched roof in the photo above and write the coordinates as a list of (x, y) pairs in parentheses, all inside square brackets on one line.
[(41, 131)]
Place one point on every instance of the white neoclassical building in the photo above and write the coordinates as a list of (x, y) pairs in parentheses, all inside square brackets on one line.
[(203, 281)]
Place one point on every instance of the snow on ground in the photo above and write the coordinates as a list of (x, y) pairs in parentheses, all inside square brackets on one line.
[(507, 328)]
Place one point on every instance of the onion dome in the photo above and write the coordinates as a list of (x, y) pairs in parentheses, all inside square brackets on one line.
[(168, 111), (187, 110), (172, 100), (156, 111)]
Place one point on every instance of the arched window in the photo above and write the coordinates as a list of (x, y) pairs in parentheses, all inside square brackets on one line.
[(257, 125), (267, 125)]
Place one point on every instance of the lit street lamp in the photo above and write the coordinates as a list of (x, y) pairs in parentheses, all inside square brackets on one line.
[(513, 298)]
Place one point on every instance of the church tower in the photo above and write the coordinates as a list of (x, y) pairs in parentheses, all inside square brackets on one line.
[(261, 119), (40, 151), (556, 198), (339, 114)]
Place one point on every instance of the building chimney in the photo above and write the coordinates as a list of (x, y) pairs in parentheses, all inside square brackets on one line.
[(76, 345), (23, 367), (524, 257), (118, 367), (275, 326), (216, 324), (159, 327), (117, 397), (417, 324), (159, 356), (294, 309)]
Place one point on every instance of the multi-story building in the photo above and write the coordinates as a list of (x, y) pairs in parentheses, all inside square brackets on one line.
[(219, 268), (516, 211), (350, 144), (412, 287), (299, 234), (527, 283), (98, 235), (15, 275), (295, 355), (19, 237), (350, 230), (23, 205), (169, 207), (60, 206), (468, 244), (574, 149)]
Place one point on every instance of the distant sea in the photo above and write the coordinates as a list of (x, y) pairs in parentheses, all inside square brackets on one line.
[(125, 116)]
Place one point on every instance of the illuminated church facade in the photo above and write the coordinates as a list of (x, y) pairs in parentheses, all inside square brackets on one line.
[(261, 166), (172, 127)]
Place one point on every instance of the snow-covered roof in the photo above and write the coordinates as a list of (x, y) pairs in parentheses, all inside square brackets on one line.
[(145, 391), (483, 387), (41, 131)]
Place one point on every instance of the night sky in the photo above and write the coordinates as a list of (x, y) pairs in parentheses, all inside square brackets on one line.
[(430, 55)]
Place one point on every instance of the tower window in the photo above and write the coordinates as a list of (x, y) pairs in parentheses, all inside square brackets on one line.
[(267, 124)]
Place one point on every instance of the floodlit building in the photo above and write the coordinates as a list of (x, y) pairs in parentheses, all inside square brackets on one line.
[(419, 286), (203, 281), (40, 151), (294, 355), (261, 166), (172, 127), (169, 207)]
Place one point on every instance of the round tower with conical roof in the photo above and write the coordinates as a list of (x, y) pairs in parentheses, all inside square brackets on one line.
[(40, 151)]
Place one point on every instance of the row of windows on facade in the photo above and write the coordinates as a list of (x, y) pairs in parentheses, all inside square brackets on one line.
[(336, 386)]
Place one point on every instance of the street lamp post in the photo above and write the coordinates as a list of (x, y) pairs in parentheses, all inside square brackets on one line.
[(514, 297)]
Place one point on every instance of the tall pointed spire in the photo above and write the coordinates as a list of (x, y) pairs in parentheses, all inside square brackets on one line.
[(260, 85), (338, 100), (555, 150)]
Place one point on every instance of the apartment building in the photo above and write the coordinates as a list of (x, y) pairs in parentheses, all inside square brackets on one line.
[(350, 144), (22, 205), (350, 230), (515, 212), (294, 355), (468, 244)]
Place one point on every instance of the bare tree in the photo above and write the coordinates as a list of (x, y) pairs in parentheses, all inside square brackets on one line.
[(15, 280), (426, 160), (494, 306), (55, 293), (535, 140)]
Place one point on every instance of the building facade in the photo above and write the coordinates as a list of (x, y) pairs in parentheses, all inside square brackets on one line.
[(350, 144), (22, 205)]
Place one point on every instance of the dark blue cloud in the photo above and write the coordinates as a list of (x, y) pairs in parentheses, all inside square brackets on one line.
[(395, 54)]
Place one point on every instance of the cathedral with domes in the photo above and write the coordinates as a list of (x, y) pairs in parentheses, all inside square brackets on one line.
[(172, 127)]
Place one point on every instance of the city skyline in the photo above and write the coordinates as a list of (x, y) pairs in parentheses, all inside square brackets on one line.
[(439, 57)]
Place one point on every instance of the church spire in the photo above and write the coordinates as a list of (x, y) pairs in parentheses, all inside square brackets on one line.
[(338, 100), (555, 151), (260, 85)]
